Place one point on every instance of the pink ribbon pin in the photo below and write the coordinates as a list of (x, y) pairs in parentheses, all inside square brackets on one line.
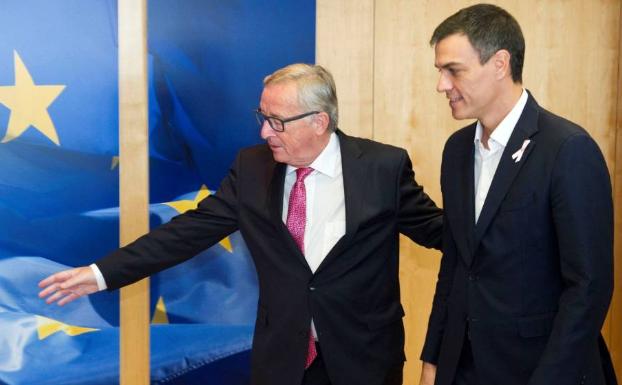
[(519, 154)]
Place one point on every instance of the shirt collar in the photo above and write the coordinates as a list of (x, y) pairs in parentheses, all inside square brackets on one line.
[(329, 160), (502, 133)]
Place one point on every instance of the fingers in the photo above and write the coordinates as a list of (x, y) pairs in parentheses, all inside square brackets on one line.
[(63, 297), (58, 277), (72, 296), (68, 285), (48, 290), (54, 297)]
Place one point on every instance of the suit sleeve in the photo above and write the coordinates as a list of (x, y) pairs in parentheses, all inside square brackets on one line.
[(582, 212), (178, 240), (438, 316), (418, 216)]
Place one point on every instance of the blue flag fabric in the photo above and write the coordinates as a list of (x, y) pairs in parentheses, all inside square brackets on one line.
[(209, 60), (59, 187), (59, 180)]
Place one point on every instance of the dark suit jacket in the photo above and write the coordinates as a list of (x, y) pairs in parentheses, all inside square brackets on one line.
[(532, 281), (353, 297)]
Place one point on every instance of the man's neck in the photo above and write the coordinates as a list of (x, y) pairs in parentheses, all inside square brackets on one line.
[(320, 144), (503, 105)]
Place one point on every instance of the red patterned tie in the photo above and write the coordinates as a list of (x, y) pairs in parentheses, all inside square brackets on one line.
[(296, 220)]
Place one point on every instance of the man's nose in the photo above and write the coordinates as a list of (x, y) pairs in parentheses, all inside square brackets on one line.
[(266, 130), (443, 84)]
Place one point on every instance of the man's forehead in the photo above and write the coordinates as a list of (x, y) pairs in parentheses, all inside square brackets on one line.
[(279, 95), (279, 90), (454, 49)]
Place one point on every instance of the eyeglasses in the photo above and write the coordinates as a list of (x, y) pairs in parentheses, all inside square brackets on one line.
[(278, 124)]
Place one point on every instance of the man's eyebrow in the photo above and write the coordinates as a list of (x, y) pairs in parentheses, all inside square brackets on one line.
[(278, 116), (447, 65)]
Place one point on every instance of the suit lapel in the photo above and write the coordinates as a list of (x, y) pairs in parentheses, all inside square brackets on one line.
[(460, 196), (275, 193), (353, 178), (508, 168)]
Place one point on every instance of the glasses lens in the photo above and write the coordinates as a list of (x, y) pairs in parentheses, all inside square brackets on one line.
[(276, 124)]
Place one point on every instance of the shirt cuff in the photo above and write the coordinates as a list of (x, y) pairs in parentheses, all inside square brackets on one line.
[(101, 282)]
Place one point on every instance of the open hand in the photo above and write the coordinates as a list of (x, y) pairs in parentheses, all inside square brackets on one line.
[(68, 285)]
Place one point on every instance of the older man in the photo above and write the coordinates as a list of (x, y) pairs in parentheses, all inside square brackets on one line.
[(321, 213), (526, 275)]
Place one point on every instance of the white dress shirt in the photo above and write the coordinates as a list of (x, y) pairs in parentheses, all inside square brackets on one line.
[(487, 160), (326, 212)]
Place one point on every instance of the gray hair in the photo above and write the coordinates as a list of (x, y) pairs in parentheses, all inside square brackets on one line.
[(316, 88)]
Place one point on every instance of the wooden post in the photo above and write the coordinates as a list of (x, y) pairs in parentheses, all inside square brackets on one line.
[(134, 183)]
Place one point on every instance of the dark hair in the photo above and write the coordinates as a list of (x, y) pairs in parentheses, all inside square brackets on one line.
[(489, 28)]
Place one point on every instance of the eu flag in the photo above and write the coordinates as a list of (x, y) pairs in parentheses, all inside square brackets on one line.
[(59, 177)]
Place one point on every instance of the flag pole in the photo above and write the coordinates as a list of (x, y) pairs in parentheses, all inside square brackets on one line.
[(133, 184)]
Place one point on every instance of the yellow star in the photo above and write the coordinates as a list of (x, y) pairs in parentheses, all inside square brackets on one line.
[(159, 316), (185, 205), (28, 104), (47, 326)]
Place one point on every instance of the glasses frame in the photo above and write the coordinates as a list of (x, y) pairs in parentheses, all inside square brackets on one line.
[(261, 118)]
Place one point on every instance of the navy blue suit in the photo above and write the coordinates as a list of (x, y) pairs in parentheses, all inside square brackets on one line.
[(531, 282)]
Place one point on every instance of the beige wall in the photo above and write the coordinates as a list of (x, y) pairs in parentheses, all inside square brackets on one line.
[(378, 51)]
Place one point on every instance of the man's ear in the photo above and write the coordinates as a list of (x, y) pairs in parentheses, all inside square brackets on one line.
[(501, 61), (321, 122)]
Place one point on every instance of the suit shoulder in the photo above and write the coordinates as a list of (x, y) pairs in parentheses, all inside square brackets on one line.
[(375, 157), (373, 147), (555, 125), (557, 131)]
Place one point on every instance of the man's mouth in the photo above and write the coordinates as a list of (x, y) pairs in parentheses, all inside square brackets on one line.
[(273, 146), (454, 99)]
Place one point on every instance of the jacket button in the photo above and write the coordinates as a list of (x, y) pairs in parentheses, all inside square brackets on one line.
[(312, 288)]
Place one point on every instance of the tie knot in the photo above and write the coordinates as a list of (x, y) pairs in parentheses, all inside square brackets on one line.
[(302, 173)]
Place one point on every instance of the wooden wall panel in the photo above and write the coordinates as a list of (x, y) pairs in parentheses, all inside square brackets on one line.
[(344, 45), (571, 67), (615, 312), (403, 100)]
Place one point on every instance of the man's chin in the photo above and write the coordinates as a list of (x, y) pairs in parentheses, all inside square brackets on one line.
[(459, 115)]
